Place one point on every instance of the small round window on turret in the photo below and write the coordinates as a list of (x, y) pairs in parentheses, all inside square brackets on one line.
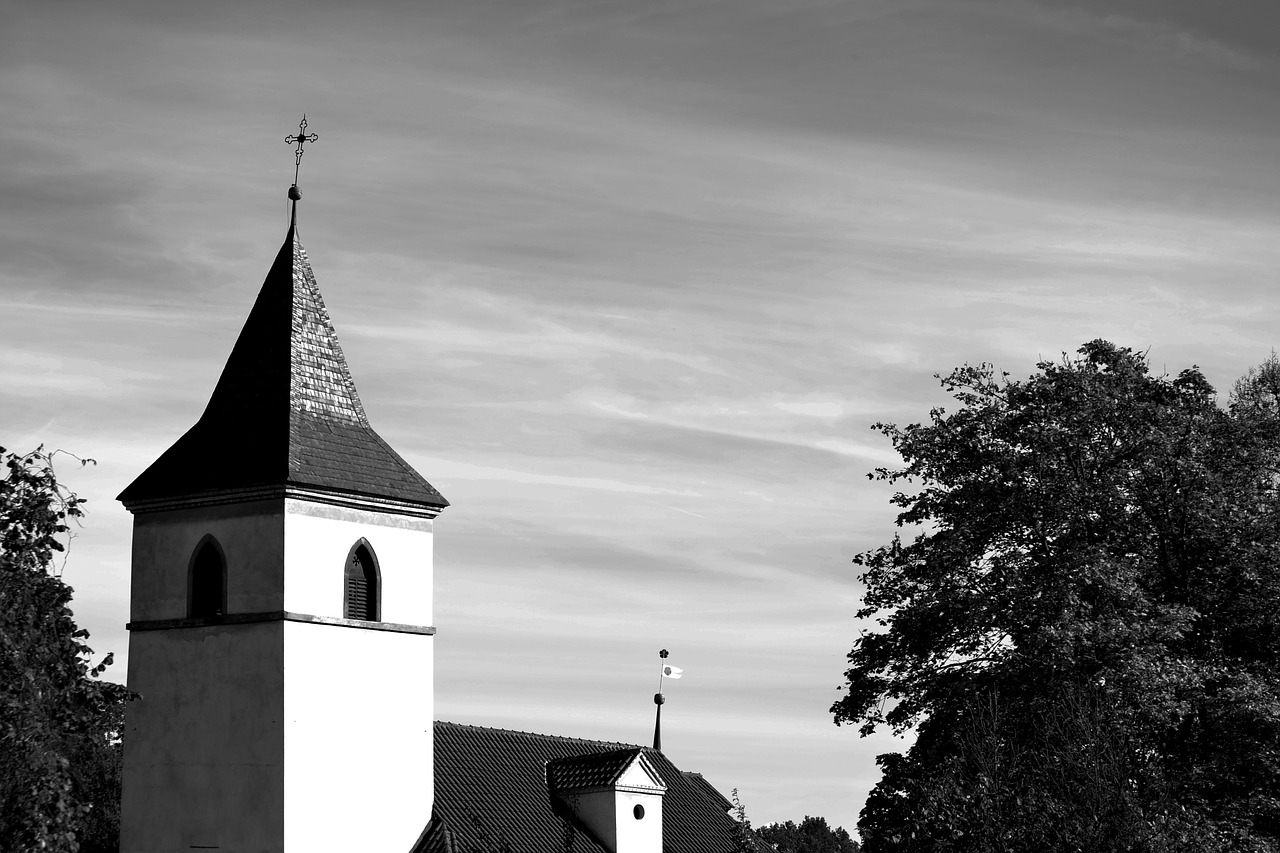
[(638, 811)]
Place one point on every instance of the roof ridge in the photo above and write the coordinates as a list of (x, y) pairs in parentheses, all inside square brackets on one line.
[(623, 748), (614, 743)]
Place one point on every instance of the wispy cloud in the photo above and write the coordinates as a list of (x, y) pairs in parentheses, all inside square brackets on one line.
[(446, 468), (1153, 34)]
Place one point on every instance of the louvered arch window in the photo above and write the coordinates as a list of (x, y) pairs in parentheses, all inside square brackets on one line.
[(363, 593), (207, 580)]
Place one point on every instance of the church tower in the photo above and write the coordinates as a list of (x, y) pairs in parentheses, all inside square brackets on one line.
[(280, 613)]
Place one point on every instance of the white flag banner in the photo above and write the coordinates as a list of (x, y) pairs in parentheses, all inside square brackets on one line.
[(669, 671)]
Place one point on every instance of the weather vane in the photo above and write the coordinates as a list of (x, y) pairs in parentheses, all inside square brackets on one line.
[(301, 137)]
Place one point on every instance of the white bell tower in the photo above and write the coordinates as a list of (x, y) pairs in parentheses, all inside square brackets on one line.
[(280, 615)]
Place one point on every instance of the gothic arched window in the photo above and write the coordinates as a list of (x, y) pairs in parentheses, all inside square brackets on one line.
[(363, 594), (207, 581)]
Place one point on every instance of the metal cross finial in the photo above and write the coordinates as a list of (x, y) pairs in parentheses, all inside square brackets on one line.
[(302, 137)]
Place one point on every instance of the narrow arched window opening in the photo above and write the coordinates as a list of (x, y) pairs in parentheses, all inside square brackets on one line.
[(362, 597), (208, 581)]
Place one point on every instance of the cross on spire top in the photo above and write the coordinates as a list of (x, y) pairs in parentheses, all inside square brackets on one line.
[(299, 139)]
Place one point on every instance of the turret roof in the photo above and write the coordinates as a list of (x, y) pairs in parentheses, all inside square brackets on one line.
[(285, 412), (597, 769)]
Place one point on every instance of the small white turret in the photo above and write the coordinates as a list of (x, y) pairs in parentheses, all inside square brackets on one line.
[(615, 796)]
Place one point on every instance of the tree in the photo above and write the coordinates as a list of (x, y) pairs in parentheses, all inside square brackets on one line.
[(59, 723), (742, 838), (811, 835), (1084, 631)]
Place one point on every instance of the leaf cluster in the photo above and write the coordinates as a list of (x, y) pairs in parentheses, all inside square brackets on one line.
[(742, 838), (59, 723), (811, 835)]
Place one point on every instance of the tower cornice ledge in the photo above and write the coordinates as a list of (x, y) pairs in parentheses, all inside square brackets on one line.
[(369, 503), (275, 616)]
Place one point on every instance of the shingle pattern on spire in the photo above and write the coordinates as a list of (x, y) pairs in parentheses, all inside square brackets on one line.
[(322, 383), (491, 788), (285, 411)]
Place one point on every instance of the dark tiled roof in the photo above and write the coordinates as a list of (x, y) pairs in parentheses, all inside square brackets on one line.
[(492, 792), (700, 782), (285, 411), (597, 770)]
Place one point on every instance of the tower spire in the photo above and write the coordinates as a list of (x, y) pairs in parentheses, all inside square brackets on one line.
[(285, 418), (294, 193)]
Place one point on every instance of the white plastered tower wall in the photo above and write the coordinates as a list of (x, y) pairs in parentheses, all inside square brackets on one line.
[(318, 538), (358, 702)]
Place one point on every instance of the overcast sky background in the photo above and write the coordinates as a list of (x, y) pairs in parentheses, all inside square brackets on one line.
[(628, 282)]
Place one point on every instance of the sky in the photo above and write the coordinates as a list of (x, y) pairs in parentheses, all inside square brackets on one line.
[(629, 282)]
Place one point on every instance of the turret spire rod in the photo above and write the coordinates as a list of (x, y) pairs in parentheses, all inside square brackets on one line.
[(658, 699)]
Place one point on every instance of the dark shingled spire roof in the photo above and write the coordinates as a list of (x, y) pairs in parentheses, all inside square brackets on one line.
[(285, 411)]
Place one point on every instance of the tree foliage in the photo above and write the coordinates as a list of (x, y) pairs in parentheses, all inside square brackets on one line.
[(59, 723), (743, 839), (1085, 631), (811, 835)]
